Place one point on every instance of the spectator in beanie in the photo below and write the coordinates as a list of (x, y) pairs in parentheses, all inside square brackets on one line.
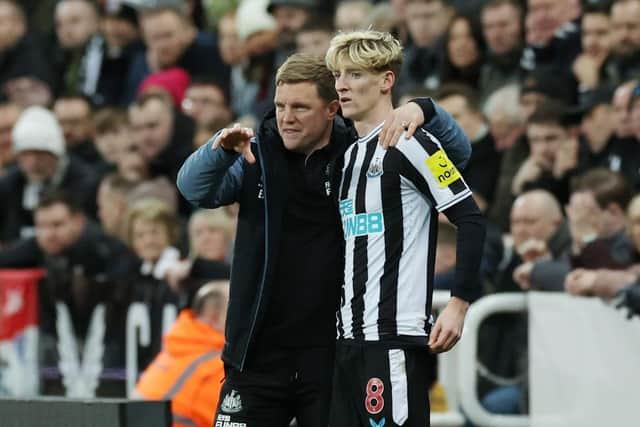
[(41, 164)]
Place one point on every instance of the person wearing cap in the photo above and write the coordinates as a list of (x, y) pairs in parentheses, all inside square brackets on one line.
[(189, 370), (41, 164)]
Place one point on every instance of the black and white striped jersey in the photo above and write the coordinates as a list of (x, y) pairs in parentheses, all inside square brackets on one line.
[(389, 204)]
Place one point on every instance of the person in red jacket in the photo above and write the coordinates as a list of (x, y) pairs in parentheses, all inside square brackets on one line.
[(188, 371)]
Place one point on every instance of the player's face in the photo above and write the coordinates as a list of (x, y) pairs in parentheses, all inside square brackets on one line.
[(304, 118), (359, 91)]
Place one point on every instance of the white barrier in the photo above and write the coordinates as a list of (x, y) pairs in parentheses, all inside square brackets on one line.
[(467, 356)]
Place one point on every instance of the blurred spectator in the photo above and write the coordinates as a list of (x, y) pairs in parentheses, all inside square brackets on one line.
[(119, 26), (258, 31), (113, 204), (350, 14), (155, 132), (503, 33), (25, 76), (625, 34), (553, 40), (314, 37), (83, 264), (205, 102), (112, 135), (189, 370), (42, 164), (634, 112), (76, 118), (621, 108), (593, 67), (210, 233), (9, 114), (483, 170), (502, 110), (152, 230), (290, 17), (172, 41), (553, 156), (445, 261), (427, 21), (464, 52)]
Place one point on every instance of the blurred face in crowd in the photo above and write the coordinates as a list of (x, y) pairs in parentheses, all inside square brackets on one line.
[(625, 27), (621, 113), (546, 15), (131, 164), (149, 239), (462, 48), (37, 165), (205, 104), (634, 118), (303, 117), (57, 228), (166, 37), (427, 21), (9, 114), (502, 28), (289, 20), (111, 145), (351, 14), (544, 141), (12, 26), (469, 121), (596, 35), (152, 126), (27, 91), (74, 115), (230, 46), (529, 101), (76, 22), (112, 208), (533, 217), (598, 125), (313, 42), (118, 32), (208, 241)]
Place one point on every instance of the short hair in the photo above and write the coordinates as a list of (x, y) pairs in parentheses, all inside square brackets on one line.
[(505, 100), (459, 89), (210, 291), (601, 7), (550, 112), (318, 23), (145, 97), (207, 80), (369, 50), (494, 4), (176, 10), (607, 187), (153, 210), (301, 67), (110, 120), (117, 183), (54, 197)]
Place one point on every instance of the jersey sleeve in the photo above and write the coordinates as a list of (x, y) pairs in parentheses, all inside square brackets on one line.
[(428, 167)]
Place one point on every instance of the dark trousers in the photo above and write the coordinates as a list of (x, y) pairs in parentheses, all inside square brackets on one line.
[(287, 384)]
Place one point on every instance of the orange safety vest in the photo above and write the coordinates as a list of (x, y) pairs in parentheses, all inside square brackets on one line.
[(188, 371)]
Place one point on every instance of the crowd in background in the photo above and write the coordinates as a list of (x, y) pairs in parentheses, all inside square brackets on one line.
[(101, 102)]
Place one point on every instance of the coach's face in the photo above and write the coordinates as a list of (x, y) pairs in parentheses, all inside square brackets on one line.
[(304, 119)]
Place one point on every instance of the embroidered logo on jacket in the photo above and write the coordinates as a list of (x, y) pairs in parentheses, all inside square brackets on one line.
[(231, 403)]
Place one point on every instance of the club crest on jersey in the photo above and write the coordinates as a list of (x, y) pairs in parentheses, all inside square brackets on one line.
[(375, 168), (231, 403)]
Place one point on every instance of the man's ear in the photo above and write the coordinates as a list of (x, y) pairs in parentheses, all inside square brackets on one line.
[(332, 108), (388, 80)]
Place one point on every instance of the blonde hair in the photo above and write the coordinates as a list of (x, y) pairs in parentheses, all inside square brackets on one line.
[(368, 50), (153, 210), (301, 67), (215, 218)]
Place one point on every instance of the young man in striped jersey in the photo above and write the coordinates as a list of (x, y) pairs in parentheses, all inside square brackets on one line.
[(389, 201)]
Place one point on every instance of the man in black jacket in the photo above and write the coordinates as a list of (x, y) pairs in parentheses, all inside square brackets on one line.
[(289, 252)]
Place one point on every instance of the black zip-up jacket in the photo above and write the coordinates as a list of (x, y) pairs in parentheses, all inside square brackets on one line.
[(212, 178)]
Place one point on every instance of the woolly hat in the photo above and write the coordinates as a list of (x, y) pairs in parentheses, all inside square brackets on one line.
[(174, 80), (252, 17), (38, 129)]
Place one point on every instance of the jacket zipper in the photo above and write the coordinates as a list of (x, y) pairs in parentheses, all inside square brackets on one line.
[(266, 253)]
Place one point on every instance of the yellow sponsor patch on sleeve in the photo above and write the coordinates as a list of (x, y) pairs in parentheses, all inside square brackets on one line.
[(442, 169)]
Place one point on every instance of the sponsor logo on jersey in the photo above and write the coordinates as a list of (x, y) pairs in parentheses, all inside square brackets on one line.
[(231, 403), (361, 224), (442, 169), (225, 421)]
